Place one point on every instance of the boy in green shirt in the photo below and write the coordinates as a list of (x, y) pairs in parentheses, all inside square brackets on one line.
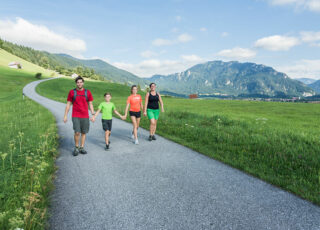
[(107, 107)]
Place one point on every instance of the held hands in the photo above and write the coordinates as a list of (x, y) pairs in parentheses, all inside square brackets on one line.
[(93, 118), (123, 118), (144, 113)]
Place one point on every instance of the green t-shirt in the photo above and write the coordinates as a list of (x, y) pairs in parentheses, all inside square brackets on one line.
[(107, 109)]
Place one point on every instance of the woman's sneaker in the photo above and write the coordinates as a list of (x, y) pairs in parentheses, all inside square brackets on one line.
[(82, 151), (136, 142), (75, 151), (150, 138), (154, 137)]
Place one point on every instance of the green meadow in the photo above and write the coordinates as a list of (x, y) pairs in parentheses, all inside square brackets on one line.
[(27, 152), (277, 142)]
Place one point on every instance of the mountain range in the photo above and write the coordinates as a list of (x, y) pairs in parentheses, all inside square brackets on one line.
[(232, 78)]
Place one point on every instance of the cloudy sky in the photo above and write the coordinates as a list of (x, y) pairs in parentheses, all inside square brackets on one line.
[(149, 37)]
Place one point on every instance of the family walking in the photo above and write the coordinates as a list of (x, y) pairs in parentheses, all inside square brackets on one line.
[(81, 101)]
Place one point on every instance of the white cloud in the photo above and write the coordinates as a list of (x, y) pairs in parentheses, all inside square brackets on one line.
[(310, 36), (224, 34), (178, 18), (312, 5), (182, 38), (149, 67), (203, 29), (162, 42), (39, 37), (148, 54), (191, 58), (303, 68), (237, 53), (277, 42)]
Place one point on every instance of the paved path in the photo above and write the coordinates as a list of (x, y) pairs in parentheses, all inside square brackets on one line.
[(160, 185)]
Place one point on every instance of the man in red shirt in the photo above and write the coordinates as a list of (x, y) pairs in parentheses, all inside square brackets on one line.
[(80, 98)]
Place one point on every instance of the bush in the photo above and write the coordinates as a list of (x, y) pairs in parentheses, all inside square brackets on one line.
[(38, 75)]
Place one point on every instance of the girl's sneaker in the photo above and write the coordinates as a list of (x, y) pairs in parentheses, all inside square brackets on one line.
[(136, 142)]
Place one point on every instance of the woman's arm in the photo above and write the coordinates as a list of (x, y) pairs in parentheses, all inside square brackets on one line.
[(126, 111), (161, 103), (146, 104)]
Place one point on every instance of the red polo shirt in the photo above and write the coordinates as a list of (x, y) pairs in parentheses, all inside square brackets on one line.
[(80, 105)]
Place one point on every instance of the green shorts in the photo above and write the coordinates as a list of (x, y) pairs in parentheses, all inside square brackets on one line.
[(153, 113)]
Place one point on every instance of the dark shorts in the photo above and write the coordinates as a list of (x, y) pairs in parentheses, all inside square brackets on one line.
[(135, 114), (106, 125), (80, 125)]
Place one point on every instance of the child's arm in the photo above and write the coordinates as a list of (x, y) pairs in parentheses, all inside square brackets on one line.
[(116, 112), (95, 115)]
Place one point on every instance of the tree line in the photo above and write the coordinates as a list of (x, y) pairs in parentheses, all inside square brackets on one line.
[(45, 60)]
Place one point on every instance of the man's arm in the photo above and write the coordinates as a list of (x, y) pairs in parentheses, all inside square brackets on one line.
[(65, 119), (91, 107), (95, 115)]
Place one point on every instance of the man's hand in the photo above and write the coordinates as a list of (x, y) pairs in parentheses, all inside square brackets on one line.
[(65, 119)]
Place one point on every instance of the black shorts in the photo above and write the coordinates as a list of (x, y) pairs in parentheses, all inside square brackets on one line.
[(80, 125), (135, 114), (106, 125)]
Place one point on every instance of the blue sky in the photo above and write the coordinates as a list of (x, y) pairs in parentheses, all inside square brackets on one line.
[(162, 37)]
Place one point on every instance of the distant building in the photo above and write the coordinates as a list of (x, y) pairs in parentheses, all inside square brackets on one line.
[(193, 96), (74, 75), (15, 65)]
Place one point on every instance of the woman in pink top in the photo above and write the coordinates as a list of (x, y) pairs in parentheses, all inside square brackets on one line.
[(134, 101)]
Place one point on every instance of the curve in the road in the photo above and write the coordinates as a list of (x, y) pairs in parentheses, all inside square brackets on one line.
[(159, 185)]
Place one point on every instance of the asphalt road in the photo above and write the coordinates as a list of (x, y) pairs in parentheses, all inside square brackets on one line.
[(159, 185)]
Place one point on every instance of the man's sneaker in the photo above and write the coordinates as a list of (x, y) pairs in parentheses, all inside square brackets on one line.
[(75, 151), (150, 138), (82, 151), (107, 147), (154, 137), (136, 142)]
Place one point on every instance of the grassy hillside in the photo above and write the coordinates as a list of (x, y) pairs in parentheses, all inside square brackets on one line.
[(6, 58), (27, 152), (277, 142)]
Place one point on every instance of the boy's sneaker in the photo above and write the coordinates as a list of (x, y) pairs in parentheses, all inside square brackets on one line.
[(82, 151), (136, 142), (150, 138), (107, 147), (75, 151), (154, 137)]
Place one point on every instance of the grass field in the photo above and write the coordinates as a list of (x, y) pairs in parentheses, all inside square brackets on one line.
[(6, 58), (277, 142), (28, 149)]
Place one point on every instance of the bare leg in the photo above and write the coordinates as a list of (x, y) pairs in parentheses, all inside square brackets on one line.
[(152, 123), (135, 126), (155, 126), (107, 135), (83, 138), (76, 139)]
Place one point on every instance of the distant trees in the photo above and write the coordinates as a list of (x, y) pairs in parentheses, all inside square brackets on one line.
[(48, 61)]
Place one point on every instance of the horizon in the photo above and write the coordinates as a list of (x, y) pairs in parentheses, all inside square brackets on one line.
[(174, 35)]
